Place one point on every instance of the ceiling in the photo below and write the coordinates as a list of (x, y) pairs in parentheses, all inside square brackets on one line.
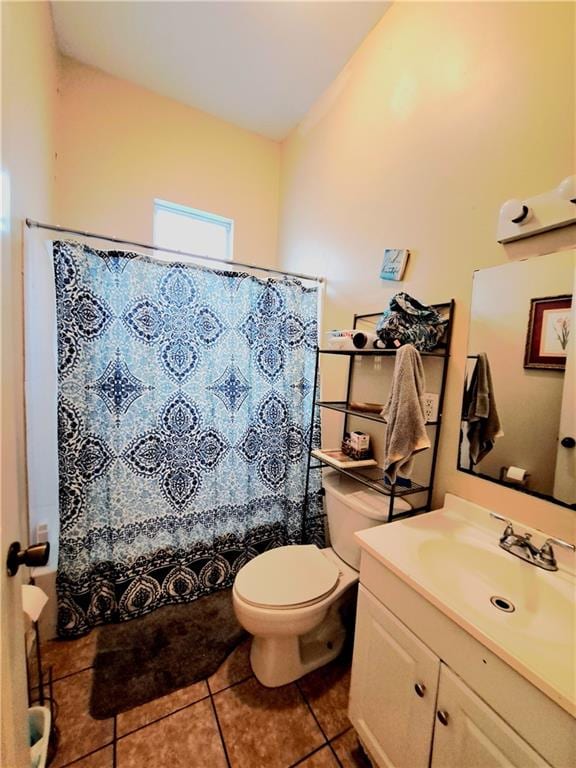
[(259, 65)]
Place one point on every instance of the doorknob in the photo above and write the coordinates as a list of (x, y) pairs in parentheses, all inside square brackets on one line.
[(420, 689), (33, 556), (568, 442)]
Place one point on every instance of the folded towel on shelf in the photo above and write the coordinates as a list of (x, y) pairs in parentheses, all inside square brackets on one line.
[(404, 413), (480, 412)]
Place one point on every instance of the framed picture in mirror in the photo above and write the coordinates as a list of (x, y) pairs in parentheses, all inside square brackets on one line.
[(548, 333)]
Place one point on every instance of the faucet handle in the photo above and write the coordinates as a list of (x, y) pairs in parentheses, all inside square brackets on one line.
[(508, 531), (547, 553), (560, 542)]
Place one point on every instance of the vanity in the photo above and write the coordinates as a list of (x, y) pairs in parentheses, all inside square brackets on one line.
[(464, 654)]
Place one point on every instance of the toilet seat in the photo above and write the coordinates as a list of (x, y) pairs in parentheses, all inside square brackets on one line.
[(287, 577)]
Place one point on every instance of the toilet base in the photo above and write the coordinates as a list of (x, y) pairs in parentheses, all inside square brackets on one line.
[(279, 660)]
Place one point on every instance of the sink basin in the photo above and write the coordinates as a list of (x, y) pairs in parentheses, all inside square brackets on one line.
[(471, 575), (543, 617), (454, 560)]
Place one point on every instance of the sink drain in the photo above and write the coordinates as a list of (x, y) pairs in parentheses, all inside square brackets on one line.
[(502, 604)]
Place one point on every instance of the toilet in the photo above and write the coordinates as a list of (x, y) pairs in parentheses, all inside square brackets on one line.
[(290, 598)]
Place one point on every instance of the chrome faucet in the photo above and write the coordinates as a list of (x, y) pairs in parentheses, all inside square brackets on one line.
[(521, 546)]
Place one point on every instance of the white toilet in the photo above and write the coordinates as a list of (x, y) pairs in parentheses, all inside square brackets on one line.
[(290, 598)]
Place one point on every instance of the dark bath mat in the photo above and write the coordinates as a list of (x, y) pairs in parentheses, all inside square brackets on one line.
[(168, 649)]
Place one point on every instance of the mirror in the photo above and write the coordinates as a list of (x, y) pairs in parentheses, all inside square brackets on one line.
[(519, 407)]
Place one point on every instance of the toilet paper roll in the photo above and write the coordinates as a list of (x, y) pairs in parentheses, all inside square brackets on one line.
[(363, 339), (33, 601), (516, 474)]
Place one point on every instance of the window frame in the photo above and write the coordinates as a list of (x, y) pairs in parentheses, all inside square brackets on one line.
[(199, 215)]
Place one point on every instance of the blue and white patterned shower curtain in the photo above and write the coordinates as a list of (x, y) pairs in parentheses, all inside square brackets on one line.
[(184, 410)]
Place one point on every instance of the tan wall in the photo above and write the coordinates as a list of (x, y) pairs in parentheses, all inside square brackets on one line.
[(445, 111), (120, 146), (29, 66), (528, 400)]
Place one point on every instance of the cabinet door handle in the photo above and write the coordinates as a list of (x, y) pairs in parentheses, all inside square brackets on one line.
[(442, 716), (420, 689)]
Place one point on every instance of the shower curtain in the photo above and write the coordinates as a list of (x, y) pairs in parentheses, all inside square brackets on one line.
[(184, 415)]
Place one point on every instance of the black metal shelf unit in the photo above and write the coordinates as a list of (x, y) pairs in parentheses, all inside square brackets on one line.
[(373, 477)]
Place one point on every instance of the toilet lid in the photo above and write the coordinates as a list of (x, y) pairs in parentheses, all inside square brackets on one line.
[(287, 576)]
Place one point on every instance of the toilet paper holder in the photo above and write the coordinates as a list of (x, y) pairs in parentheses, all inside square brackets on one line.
[(521, 483)]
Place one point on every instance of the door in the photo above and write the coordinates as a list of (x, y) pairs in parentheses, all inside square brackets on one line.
[(565, 474), (14, 752), (393, 689), (468, 733)]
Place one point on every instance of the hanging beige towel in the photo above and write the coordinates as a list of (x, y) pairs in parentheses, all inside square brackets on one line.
[(406, 425)]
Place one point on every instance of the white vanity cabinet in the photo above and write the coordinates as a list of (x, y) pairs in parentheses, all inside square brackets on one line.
[(409, 708), (430, 641), (469, 733), (393, 717)]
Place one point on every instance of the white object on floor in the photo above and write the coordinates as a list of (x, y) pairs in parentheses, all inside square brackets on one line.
[(39, 723)]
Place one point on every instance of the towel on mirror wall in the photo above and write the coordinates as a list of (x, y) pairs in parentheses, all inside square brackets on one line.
[(404, 414), (481, 412)]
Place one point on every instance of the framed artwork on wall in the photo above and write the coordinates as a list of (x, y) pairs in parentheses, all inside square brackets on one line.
[(548, 332), (394, 263)]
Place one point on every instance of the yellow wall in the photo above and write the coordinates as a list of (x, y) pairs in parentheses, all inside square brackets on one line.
[(445, 111), (120, 146), (29, 68)]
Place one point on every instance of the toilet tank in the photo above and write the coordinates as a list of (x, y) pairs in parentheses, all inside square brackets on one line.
[(352, 507)]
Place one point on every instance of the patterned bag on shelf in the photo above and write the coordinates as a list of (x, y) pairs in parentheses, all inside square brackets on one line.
[(407, 321)]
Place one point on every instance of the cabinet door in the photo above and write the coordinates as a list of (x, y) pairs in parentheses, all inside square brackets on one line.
[(473, 734), (393, 721)]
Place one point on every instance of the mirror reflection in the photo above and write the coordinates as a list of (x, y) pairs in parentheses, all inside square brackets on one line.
[(519, 407)]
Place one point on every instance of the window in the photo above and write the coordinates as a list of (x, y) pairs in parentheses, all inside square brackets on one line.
[(187, 229)]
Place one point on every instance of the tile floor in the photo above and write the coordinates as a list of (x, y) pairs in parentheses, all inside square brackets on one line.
[(226, 721)]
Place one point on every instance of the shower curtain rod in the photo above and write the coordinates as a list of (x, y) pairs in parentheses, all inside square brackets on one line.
[(55, 228)]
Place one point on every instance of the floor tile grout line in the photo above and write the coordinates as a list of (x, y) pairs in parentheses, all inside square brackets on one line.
[(227, 687), (83, 757), (333, 739), (185, 706), (162, 717), (306, 756), (214, 710), (341, 733), (69, 674), (311, 711), (330, 747)]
